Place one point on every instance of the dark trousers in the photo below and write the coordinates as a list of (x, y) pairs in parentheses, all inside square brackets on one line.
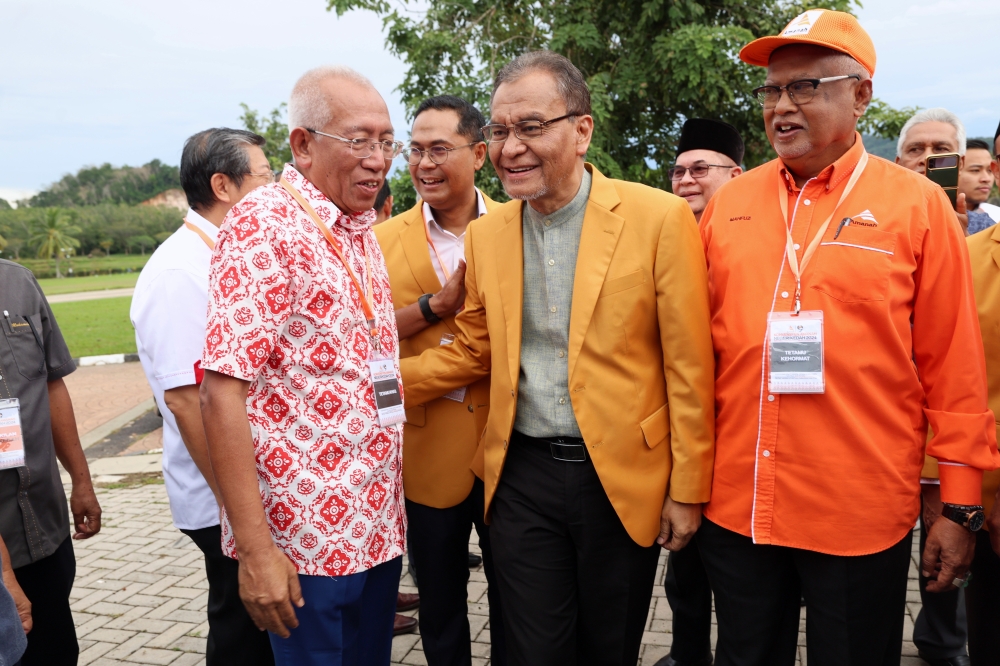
[(346, 620), (854, 605), (439, 545), (47, 584), (941, 628), (690, 597), (232, 636), (982, 599), (575, 586)]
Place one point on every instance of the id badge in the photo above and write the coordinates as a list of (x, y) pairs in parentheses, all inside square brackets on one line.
[(11, 437), (388, 398), (458, 395), (795, 352)]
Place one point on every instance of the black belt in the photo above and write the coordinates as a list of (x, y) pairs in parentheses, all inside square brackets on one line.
[(565, 449)]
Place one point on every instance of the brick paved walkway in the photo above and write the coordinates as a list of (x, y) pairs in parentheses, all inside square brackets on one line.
[(140, 592)]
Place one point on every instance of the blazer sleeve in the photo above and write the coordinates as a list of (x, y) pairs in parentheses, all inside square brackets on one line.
[(439, 370), (682, 310)]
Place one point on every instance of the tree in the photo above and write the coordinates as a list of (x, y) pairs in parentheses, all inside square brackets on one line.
[(5, 205), (650, 64), (142, 243), (52, 233), (92, 186), (274, 129), (884, 121)]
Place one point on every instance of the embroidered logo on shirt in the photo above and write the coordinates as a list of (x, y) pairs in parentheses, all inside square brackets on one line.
[(740, 218), (865, 219)]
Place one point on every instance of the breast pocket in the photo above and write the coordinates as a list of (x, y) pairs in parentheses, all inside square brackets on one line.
[(854, 267), (24, 346)]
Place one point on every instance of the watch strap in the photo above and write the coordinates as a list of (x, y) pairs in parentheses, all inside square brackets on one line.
[(962, 515), (425, 309)]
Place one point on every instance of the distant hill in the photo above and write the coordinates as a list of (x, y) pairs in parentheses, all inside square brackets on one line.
[(882, 147), (174, 198), (107, 184)]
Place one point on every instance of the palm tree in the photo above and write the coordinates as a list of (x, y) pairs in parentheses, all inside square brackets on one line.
[(53, 233)]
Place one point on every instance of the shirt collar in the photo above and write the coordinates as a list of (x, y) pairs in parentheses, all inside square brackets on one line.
[(575, 208), (197, 220), (835, 173), (326, 209), (428, 213)]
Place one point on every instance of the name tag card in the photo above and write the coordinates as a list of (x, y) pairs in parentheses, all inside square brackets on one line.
[(458, 395), (388, 398), (795, 352), (11, 438)]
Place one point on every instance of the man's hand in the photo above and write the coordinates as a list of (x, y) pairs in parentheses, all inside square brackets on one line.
[(86, 511), (931, 493), (678, 523), (947, 554), (962, 213), (452, 295), (269, 585), (20, 600)]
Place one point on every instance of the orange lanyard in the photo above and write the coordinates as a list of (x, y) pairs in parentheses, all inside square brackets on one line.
[(208, 241), (793, 261), (444, 269), (365, 303)]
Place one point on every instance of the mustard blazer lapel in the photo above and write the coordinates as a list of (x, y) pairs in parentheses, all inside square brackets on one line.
[(413, 240), (995, 237), (510, 275), (598, 239)]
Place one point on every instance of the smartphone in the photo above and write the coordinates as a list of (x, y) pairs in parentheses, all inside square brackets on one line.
[(943, 170)]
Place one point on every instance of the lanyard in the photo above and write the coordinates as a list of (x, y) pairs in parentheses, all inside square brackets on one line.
[(793, 260), (365, 303), (427, 233), (208, 241)]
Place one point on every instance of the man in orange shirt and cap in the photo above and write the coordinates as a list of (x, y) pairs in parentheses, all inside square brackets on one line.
[(834, 276)]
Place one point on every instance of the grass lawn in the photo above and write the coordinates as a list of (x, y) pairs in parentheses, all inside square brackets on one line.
[(53, 286), (93, 328)]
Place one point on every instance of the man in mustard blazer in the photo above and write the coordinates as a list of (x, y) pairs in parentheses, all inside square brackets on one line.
[(587, 300), (424, 252)]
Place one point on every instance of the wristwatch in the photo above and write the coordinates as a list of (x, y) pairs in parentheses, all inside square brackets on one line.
[(971, 517), (425, 309)]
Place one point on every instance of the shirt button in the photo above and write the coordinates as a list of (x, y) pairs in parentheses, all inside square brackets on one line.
[(470, 408), (767, 454), (552, 262), (796, 246), (548, 223), (562, 401), (807, 202), (784, 294), (561, 353), (770, 398), (552, 309)]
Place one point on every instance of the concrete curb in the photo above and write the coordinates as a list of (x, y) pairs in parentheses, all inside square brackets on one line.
[(105, 429), (107, 359)]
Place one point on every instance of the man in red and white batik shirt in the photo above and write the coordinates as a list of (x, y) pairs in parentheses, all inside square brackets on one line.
[(289, 405)]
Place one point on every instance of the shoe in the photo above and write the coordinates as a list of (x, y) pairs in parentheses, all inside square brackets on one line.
[(403, 625), (405, 601), (474, 560), (670, 661), (959, 660)]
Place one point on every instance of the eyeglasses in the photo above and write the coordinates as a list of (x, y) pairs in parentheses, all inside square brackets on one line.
[(697, 171), (438, 154), (800, 92), (524, 130), (269, 176), (363, 148)]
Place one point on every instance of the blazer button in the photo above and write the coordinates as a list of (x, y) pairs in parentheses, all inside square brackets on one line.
[(512, 394), (505, 444), (470, 408)]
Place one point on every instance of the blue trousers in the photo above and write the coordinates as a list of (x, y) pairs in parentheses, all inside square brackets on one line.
[(346, 620)]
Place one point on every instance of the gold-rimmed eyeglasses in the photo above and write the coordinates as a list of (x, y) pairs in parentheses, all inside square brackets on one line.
[(364, 148), (437, 154)]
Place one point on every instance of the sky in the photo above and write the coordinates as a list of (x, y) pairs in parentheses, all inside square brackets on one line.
[(126, 81)]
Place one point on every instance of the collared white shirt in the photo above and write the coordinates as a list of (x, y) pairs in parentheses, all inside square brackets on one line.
[(168, 312), (284, 315), (449, 246)]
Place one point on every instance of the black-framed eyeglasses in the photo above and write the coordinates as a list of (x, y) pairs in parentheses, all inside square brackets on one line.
[(526, 130), (697, 171), (437, 154), (364, 148), (800, 92)]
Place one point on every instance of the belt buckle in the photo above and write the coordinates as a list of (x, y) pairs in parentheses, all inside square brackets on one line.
[(567, 452)]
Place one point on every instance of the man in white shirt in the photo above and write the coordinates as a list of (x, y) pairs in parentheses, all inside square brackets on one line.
[(218, 168)]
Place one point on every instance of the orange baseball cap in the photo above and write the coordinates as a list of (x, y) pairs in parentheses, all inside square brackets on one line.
[(822, 27)]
